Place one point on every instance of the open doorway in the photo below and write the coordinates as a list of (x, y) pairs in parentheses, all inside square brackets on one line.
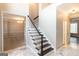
[(68, 25), (67, 18), (74, 31)]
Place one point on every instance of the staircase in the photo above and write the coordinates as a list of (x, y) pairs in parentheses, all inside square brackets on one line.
[(41, 43)]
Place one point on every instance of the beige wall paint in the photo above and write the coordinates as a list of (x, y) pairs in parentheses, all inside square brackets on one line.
[(78, 26), (59, 29), (63, 33), (44, 5), (66, 30), (0, 33), (33, 10)]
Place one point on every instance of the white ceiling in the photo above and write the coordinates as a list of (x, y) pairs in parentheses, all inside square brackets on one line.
[(68, 7), (15, 8)]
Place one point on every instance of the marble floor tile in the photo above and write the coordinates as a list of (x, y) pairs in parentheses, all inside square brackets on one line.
[(26, 51), (63, 51), (22, 51), (68, 51)]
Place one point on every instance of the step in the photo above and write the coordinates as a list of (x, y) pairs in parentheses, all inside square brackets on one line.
[(36, 43), (43, 44), (39, 39), (33, 32), (32, 29), (46, 45), (44, 48), (35, 36), (46, 51)]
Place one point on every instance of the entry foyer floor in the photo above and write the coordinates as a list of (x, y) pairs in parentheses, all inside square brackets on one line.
[(71, 50), (26, 51)]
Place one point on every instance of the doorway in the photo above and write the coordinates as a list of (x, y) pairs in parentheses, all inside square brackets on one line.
[(74, 32)]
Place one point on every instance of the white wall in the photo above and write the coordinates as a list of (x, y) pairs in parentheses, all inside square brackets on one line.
[(0, 33), (47, 22), (73, 28)]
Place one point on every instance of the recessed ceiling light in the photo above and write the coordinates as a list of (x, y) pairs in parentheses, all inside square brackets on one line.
[(73, 10)]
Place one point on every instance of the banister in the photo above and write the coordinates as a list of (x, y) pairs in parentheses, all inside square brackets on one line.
[(34, 25), (38, 33), (36, 17)]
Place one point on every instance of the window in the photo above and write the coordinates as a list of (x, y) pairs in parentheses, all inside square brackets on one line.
[(73, 28)]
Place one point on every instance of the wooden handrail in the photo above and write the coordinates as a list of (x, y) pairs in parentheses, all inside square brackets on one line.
[(36, 17), (34, 25)]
